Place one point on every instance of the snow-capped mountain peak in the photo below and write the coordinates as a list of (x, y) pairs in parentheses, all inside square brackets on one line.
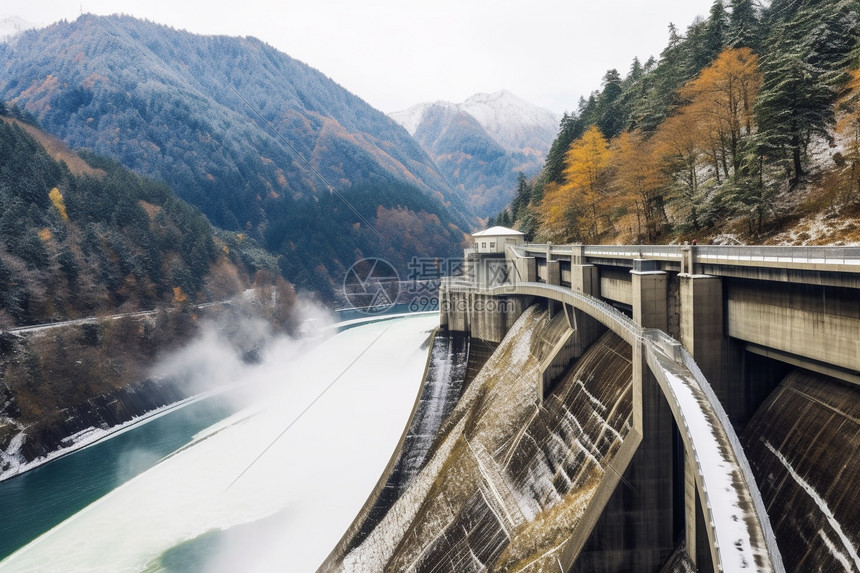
[(513, 122), (503, 106), (11, 26), (482, 144), (411, 117)]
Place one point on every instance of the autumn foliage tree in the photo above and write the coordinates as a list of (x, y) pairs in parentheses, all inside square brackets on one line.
[(721, 102), (738, 112), (585, 175), (678, 143), (848, 126), (637, 185), (571, 210), (559, 215)]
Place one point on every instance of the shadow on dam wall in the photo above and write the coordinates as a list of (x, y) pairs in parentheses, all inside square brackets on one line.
[(509, 475), (803, 444)]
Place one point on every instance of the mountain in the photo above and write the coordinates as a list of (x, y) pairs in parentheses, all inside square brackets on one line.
[(82, 236), (126, 273), (260, 142), (482, 144), (12, 26)]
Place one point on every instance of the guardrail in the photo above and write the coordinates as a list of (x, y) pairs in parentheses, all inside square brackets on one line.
[(770, 256), (743, 462), (803, 255)]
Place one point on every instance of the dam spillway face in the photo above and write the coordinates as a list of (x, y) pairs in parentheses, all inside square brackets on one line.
[(443, 385), (804, 447), (510, 475)]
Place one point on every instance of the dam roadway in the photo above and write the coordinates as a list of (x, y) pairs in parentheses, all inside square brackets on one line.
[(667, 409)]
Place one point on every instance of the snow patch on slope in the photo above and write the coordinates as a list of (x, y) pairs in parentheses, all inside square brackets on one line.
[(510, 120)]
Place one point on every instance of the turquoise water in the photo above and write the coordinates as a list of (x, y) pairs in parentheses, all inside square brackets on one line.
[(35, 501)]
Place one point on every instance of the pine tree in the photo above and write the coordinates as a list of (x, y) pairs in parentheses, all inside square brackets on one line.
[(504, 219), (804, 69), (743, 24), (716, 30), (522, 197), (611, 117), (570, 129), (636, 72)]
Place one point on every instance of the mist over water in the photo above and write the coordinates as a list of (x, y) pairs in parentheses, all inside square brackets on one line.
[(270, 488)]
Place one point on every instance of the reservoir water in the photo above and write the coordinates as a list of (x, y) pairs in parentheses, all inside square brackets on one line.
[(271, 487), (36, 501)]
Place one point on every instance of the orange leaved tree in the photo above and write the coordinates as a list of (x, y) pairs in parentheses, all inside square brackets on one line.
[(637, 185), (585, 170), (721, 103), (848, 126)]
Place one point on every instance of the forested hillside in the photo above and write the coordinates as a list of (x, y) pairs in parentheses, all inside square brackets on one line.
[(84, 236), (747, 128), (263, 144)]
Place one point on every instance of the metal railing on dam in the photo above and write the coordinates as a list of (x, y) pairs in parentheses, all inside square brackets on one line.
[(738, 528), (830, 258)]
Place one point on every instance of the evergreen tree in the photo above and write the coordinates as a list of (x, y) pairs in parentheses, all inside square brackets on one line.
[(696, 53), (503, 219), (571, 128), (716, 30), (611, 116), (743, 24), (804, 69), (636, 72), (522, 197)]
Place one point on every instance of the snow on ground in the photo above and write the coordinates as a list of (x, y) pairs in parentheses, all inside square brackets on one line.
[(292, 473), (825, 227), (14, 463)]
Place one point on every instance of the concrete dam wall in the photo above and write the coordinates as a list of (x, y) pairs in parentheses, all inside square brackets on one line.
[(804, 448), (511, 473)]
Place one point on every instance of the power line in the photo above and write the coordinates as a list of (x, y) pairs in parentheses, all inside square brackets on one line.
[(308, 407)]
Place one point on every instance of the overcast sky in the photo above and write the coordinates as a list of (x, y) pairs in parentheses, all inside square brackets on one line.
[(396, 53)]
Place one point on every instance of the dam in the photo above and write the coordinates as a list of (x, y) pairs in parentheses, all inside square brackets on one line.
[(632, 408)]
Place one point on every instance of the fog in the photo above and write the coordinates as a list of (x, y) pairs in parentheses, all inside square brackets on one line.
[(273, 487)]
